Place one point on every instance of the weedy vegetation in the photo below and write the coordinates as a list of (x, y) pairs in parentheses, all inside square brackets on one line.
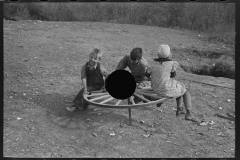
[(215, 21)]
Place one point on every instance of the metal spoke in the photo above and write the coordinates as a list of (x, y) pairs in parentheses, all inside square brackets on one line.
[(118, 102), (109, 99), (141, 97), (99, 98)]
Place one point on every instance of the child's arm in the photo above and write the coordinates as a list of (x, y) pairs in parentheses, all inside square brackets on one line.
[(148, 72), (103, 70), (147, 68), (144, 61), (122, 64), (105, 73), (174, 68)]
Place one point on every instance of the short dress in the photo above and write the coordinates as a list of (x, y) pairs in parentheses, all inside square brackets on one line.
[(161, 82)]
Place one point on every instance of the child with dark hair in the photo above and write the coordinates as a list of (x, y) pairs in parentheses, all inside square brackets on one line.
[(165, 86), (138, 66), (92, 75), (136, 63)]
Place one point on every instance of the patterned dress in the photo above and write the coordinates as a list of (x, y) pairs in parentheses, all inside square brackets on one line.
[(161, 82)]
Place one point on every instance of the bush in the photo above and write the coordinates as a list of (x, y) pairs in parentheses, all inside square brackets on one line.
[(221, 68)]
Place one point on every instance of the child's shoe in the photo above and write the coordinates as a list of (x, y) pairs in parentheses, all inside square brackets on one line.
[(179, 111), (72, 108), (189, 116)]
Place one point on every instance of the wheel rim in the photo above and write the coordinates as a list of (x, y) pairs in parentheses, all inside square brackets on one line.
[(104, 99)]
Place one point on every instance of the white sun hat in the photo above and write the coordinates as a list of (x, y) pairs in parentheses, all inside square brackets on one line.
[(164, 51)]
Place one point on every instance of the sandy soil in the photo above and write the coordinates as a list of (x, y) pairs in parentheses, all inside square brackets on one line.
[(42, 62)]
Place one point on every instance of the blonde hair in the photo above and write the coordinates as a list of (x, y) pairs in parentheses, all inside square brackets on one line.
[(97, 52)]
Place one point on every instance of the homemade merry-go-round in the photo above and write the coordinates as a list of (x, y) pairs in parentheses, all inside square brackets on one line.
[(104, 99)]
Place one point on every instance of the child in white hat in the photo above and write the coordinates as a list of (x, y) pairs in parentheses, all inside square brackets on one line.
[(165, 86)]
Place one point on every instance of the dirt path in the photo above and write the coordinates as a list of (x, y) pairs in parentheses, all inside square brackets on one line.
[(42, 62)]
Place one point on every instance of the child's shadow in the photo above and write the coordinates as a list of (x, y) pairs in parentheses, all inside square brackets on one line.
[(56, 112)]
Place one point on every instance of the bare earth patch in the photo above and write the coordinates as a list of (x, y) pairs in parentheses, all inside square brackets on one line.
[(42, 62)]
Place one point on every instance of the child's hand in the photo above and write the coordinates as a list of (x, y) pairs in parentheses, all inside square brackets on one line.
[(104, 89), (85, 91)]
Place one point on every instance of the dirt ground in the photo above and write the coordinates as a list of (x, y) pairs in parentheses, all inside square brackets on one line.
[(42, 62)]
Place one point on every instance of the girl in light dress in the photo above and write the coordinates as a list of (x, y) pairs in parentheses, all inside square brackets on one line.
[(164, 85)]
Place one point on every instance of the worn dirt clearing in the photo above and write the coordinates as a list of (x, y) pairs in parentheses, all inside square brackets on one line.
[(42, 62)]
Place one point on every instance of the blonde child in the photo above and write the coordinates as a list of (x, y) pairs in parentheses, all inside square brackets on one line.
[(93, 74), (165, 86)]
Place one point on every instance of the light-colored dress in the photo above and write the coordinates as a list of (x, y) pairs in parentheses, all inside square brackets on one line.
[(161, 82)]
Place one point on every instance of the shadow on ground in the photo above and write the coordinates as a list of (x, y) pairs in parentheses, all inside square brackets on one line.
[(55, 105)]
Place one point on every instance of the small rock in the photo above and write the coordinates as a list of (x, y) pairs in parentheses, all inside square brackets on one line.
[(99, 113), (146, 135), (211, 122), (112, 134), (19, 118), (24, 94), (220, 107), (11, 97), (94, 134), (219, 134), (141, 121), (203, 123), (229, 100)]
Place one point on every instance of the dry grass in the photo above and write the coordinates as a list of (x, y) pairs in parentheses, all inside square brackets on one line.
[(221, 67), (175, 15), (162, 15)]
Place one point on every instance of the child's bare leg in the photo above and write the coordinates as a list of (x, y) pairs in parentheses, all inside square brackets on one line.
[(188, 105), (179, 106)]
